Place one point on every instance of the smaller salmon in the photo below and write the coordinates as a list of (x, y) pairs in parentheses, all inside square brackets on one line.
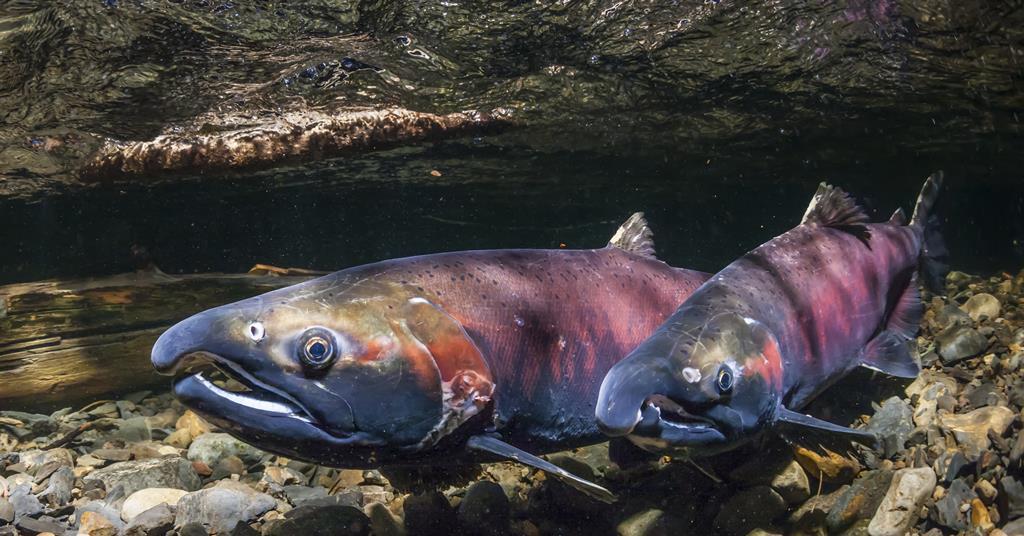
[(775, 328)]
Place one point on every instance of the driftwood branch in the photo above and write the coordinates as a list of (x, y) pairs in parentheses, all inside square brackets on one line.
[(68, 341)]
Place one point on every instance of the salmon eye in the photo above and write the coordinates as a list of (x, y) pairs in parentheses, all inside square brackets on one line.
[(317, 349), (724, 380), (256, 332)]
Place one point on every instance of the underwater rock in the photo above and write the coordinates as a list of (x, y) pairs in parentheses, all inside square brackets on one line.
[(986, 491), (484, 509), (193, 529), (927, 389), (981, 305), (210, 448), (1011, 497), (951, 314), (146, 499), (322, 521), (373, 493), (749, 509), (58, 489), (153, 473), (792, 484), (156, 521), (243, 529), (949, 511), (6, 511), (94, 524), (981, 520), (349, 497), (221, 507), (44, 524), (651, 522), (25, 504), (771, 461), (958, 342), (112, 455), (230, 465), (300, 495), (1014, 527), (34, 424), (811, 516), (973, 428), (893, 424), (860, 500), (246, 141), (383, 522), (986, 394), (285, 476), (901, 506), (428, 513), (950, 465)]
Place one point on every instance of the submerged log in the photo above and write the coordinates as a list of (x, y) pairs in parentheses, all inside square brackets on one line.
[(240, 142), (66, 341)]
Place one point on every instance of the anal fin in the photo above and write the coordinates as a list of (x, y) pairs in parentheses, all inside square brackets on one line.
[(498, 447)]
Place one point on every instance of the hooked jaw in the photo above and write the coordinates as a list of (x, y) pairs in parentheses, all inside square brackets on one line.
[(261, 414), (636, 401)]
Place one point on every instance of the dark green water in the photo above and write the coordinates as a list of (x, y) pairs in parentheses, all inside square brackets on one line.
[(344, 213)]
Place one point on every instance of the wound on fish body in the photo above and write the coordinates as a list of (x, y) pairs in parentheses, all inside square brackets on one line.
[(773, 329), (447, 358)]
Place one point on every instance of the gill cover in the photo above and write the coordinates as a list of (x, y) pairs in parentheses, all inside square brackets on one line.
[(465, 378)]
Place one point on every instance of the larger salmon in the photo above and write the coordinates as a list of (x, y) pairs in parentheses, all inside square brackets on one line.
[(773, 329), (442, 358)]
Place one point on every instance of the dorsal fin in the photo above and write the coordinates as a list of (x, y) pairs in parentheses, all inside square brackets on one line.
[(634, 236), (898, 218), (832, 207)]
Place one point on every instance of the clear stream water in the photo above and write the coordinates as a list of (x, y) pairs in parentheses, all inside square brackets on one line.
[(717, 118)]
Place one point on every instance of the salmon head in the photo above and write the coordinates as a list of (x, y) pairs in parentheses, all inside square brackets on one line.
[(697, 391), (340, 370)]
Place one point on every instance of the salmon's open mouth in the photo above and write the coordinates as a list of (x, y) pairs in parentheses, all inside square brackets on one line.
[(665, 425), (232, 386)]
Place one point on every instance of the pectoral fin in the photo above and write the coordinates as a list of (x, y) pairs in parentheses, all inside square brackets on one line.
[(498, 447), (799, 428)]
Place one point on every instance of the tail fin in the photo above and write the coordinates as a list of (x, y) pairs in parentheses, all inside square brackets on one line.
[(934, 255)]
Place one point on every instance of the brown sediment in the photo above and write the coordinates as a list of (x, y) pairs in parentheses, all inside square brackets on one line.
[(247, 141)]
